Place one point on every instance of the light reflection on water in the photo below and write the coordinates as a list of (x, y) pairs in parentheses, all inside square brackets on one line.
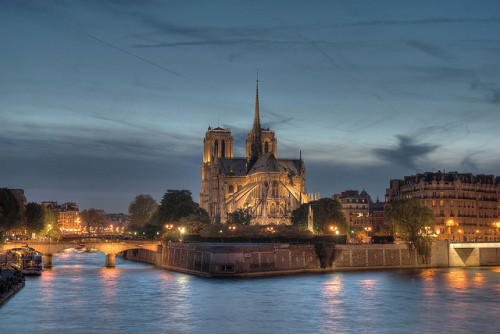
[(79, 295)]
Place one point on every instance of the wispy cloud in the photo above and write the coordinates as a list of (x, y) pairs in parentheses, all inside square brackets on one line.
[(429, 49), (491, 90), (133, 55), (406, 153), (442, 20)]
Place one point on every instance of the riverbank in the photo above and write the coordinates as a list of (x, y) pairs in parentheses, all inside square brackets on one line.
[(265, 259), (4, 297), (11, 280)]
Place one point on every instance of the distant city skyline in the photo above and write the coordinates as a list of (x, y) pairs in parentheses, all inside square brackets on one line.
[(101, 101)]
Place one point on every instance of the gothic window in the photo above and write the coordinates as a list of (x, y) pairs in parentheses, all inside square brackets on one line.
[(223, 149), (266, 147), (275, 189), (216, 148), (231, 189), (272, 209)]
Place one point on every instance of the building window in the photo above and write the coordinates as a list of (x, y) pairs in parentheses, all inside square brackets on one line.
[(272, 209), (266, 147), (222, 148), (275, 189), (231, 189), (216, 150)]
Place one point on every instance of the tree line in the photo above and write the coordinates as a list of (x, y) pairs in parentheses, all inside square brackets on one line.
[(34, 218), (39, 219)]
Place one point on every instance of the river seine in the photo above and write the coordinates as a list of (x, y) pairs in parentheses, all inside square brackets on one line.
[(80, 296)]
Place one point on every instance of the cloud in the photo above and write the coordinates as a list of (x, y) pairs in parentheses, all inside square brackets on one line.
[(469, 164), (415, 22), (490, 88), (278, 119), (133, 55), (406, 153), (429, 49)]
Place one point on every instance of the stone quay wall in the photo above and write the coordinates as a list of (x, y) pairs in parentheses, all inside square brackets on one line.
[(219, 259), (143, 255)]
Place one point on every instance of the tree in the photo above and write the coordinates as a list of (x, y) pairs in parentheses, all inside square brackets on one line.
[(195, 222), (9, 217), (140, 211), (51, 224), (409, 218), (176, 204), (326, 212), (240, 217), (34, 217), (94, 219)]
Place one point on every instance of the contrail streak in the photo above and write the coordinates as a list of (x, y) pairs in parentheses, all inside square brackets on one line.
[(133, 55)]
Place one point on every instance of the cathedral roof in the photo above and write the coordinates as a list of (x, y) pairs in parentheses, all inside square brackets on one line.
[(236, 166), (292, 166), (268, 164)]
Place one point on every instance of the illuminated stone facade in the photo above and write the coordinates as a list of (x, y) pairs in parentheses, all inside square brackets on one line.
[(270, 188), (69, 216), (356, 207), (466, 205)]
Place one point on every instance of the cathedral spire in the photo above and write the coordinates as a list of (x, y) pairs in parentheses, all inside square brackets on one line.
[(256, 133), (256, 119)]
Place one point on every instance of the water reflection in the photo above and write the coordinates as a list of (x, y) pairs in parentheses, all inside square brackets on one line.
[(428, 274), (80, 295), (331, 303), (457, 280)]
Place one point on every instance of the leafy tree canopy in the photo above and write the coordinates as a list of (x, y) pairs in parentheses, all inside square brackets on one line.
[(140, 211), (195, 222), (176, 204), (408, 218), (240, 217), (51, 224), (34, 216), (94, 219), (9, 216), (326, 212)]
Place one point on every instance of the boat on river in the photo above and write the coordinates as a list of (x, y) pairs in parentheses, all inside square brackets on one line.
[(28, 260)]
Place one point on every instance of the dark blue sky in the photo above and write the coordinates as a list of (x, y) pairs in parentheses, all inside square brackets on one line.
[(104, 100)]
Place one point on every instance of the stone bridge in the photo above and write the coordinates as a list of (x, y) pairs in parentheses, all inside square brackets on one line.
[(474, 254), (108, 247)]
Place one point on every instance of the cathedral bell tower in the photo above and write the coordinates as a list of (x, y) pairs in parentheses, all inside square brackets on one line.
[(218, 143)]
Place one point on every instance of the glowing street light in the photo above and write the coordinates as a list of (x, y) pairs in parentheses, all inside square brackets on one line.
[(270, 229), (169, 226)]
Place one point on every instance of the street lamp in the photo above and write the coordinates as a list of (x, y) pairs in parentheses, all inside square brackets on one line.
[(181, 232)]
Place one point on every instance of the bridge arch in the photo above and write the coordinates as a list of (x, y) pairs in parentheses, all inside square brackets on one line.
[(110, 248)]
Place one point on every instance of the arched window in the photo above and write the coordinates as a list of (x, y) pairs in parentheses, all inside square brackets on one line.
[(223, 149), (266, 147), (231, 189), (272, 209), (216, 148), (275, 189)]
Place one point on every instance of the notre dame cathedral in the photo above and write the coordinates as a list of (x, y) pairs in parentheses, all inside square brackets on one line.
[(270, 188)]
